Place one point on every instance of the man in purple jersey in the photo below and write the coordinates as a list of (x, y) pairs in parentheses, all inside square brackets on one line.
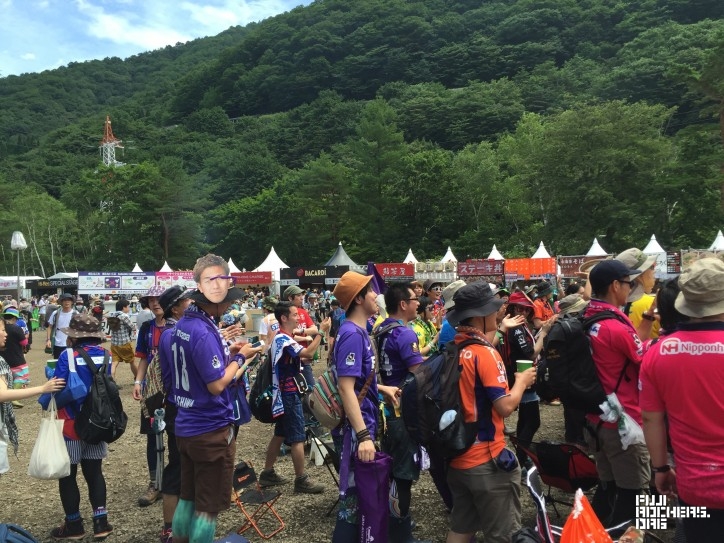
[(354, 363), (202, 368)]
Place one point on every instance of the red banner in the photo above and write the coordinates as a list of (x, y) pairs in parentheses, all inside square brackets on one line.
[(397, 271), (252, 278), (530, 268)]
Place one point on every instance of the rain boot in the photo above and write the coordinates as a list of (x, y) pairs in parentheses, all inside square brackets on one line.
[(400, 531)]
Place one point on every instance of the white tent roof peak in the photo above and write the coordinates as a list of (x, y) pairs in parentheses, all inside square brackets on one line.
[(495, 254), (653, 247), (449, 256), (233, 268), (410, 258), (718, 244), (165, 267), (136, 268), (272, 263), (541, 252), (596, 249)]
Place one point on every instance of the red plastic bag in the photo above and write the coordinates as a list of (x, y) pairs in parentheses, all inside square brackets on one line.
[(583, 525)]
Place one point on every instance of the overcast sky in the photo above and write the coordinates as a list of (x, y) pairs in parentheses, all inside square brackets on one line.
[(37, 35)]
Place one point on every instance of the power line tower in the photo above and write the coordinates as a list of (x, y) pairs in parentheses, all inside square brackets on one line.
[(108, 145)]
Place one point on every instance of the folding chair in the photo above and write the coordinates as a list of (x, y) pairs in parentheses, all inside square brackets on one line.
[(317, 435), (563, 466), (549, 533), (255, 503)]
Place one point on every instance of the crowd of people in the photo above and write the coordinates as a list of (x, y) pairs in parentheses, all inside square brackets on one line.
[(659, 350)]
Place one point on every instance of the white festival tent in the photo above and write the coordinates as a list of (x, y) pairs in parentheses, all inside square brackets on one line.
[(596, 249), (410, 258), (718, 244), (654, 249), (495, 254), (232, 267), (449, 256), (541, 252), (272, 263), (165, 267), (136, 268)]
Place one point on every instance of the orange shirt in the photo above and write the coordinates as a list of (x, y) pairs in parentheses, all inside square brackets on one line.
[(482, 381), (542, 309)]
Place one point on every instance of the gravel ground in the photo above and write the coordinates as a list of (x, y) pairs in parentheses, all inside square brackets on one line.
[(35, 504)]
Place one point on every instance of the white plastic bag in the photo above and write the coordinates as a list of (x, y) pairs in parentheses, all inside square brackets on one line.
[(629, 430), (50, 459), (4, 442)]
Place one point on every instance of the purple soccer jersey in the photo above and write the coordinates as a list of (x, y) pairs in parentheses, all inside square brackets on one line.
[(198, 357), (354, 358), (400, 351)]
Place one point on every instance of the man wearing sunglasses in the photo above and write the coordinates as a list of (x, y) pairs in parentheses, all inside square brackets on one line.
[(433, 290), (617, 353)]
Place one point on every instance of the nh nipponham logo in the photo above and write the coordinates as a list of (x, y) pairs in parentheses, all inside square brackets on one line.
[(676, 346)]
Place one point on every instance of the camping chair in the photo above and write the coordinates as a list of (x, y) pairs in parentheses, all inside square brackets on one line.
[(255, 502), (563, 466), (549, 533), (317, 435)]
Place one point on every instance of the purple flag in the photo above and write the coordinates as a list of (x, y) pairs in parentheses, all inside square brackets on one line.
[(377, 281)]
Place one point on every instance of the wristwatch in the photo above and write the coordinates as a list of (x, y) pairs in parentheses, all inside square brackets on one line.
[(661, 469), (648, 317)]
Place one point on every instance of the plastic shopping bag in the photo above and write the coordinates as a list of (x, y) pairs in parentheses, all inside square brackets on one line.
[(629, 430), (49, 459), (583, 525), (4, 443)]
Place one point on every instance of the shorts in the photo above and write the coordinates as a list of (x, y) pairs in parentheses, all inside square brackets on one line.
[(629, 469), (397, 443), (485, 498), (80, 450), (21, 375), (291, 425), (123, 353), (207, 468)]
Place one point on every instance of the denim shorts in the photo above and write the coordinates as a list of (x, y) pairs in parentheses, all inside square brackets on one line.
[(291, 425)]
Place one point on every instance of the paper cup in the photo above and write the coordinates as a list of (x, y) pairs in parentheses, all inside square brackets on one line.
[(524, 365), (51, 363)]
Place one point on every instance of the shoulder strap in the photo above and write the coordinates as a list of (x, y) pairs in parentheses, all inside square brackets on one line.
[(600, 316), (71, 359), (88, 360)]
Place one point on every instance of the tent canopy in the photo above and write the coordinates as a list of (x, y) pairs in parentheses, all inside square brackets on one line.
[(272, 263), (410, 258), (165, 267), (232, 267), (64, 275), (449, 256), (653, 247), (340, 258), (541, 252), (596, 249), (495, 254), (718, 244), (136, 268)]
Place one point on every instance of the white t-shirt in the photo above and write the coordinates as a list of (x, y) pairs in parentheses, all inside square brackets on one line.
[(268, 328), (63, 319)]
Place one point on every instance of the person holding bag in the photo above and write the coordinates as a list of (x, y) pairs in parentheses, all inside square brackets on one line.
[(83, 332), (8, 428)]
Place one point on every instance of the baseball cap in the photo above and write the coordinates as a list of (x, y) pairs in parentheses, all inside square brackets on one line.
[(607, 271)]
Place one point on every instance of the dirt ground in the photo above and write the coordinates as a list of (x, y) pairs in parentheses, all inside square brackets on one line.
[(35, 504)]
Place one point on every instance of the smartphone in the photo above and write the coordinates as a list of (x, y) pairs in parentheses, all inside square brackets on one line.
[(259, 343)]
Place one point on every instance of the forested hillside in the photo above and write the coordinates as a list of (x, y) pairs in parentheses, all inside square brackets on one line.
[(385, 124)]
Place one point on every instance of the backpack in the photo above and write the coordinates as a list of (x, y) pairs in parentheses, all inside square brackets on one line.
[(378, 346), (567, 370), (154, 393), (431, 395), (101, 416), (324, 400), (114, 323), (12, 533), (260, 395)]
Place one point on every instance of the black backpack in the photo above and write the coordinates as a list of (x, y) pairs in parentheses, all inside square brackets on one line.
[(428, 394), (567, 370), (260, 395), (12, 533), (101, 416)]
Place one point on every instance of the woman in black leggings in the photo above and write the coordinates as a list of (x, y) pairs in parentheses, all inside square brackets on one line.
[(84, 333)]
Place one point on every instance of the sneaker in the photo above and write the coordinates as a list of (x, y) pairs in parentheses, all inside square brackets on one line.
[(151, 496), (555, 402), (69, 530), (166, 536), (101, 528), (304, 485), (269, 477), (18, 405)]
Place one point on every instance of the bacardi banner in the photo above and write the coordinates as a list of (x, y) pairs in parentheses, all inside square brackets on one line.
[(323, 275)]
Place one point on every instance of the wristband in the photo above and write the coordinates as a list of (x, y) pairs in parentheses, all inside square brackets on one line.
[(648, 317), (661, 469), (240, 359), (363, 435), (137, 382)]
